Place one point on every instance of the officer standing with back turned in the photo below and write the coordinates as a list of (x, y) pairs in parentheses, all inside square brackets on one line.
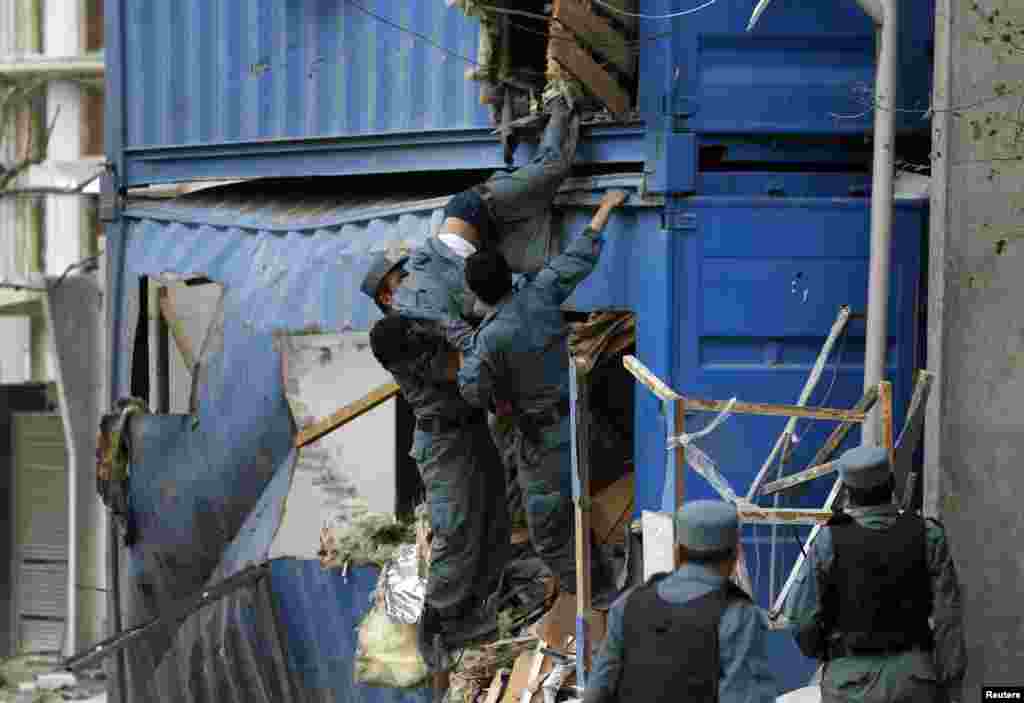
[(691, 635), (877, 600)]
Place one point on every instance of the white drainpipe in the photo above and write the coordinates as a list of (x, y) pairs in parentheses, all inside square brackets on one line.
[(62, 28), (881, 201), (883, 13)]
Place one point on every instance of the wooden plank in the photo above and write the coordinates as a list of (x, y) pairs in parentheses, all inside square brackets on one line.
[(774, 410), (798, 478), (663, 392), (580, 412), (350, 412), (910, 435), (594, 32), (863, 405), (885, 417), (781, 516), (783, 442), (649, 379), (567, 54)]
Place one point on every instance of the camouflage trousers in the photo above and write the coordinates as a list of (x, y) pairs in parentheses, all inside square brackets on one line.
[(899, 678), (519, 201), (465, 492), (544, 474)]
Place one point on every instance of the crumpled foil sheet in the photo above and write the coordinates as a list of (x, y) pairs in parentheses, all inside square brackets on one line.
[(403, 589)]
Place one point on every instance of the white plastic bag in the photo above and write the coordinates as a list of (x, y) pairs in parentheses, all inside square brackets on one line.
[(386, 652)]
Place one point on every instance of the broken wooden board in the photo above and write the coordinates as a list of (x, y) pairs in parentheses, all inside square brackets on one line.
[(913, 426), (751, 513), (865, 404), (798, 478), (594, 32), (563, 50), (343, 416), (775, 410), (660, 389)]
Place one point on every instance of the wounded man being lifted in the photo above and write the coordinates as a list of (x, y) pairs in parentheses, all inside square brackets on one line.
[(462, 472)]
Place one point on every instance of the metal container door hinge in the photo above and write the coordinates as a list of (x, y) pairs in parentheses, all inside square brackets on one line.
[(678, 220), (111, 201)]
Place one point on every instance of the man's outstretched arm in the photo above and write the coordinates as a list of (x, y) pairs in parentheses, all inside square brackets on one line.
[(567, 270)]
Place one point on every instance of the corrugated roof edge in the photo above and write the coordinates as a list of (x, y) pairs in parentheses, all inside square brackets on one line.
[(200, 208)]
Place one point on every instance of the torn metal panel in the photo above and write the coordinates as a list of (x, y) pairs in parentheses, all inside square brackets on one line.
[(74, 315), (351, 472)]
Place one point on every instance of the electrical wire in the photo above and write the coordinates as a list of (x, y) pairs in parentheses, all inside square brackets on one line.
[(401, 28), (669, 16), (78, 264)]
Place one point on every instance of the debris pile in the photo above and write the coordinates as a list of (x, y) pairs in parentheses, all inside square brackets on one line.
[(36, 679)]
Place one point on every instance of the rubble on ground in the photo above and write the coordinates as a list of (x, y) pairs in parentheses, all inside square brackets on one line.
[(33, 678)]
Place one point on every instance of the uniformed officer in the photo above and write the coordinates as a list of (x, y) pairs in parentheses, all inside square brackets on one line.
[(691, 635), (430, 284), (461, 470), (878, 599), (516, 363)]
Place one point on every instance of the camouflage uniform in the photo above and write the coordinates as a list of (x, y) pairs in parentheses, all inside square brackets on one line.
[(462, 472), (914, 675), (518, 360), (464, 482), (745, 676)]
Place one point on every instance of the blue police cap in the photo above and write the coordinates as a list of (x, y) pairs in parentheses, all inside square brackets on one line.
[(864, 467), (707, 526)]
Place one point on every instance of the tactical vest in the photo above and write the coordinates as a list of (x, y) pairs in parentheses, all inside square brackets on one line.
[(878, 595), (671, 650)]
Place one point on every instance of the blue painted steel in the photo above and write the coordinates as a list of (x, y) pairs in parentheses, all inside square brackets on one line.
[(802, 65), (720, 307), (438, 150), (232, 71)]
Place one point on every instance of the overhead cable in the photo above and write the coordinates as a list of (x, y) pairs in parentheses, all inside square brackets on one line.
[(669, 16)]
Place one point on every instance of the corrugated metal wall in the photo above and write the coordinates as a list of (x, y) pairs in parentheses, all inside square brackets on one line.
[(220, 71)]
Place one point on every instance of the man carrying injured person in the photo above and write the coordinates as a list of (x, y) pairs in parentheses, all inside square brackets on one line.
[(516, 363), (878, 601), (461, 470), (691, 635)]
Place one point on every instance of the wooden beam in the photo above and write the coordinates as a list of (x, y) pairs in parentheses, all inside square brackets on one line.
[(580, 414), (647, 377), (660, 389), (782, 516), (783, 442), (350, 412), (798, 478), (594, 32), (863, 405), (769, 409), (563, 49), (910, 435), (885, 401)]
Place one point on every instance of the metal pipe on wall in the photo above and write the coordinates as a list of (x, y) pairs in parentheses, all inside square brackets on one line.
[(881, 205), (62, 22)]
